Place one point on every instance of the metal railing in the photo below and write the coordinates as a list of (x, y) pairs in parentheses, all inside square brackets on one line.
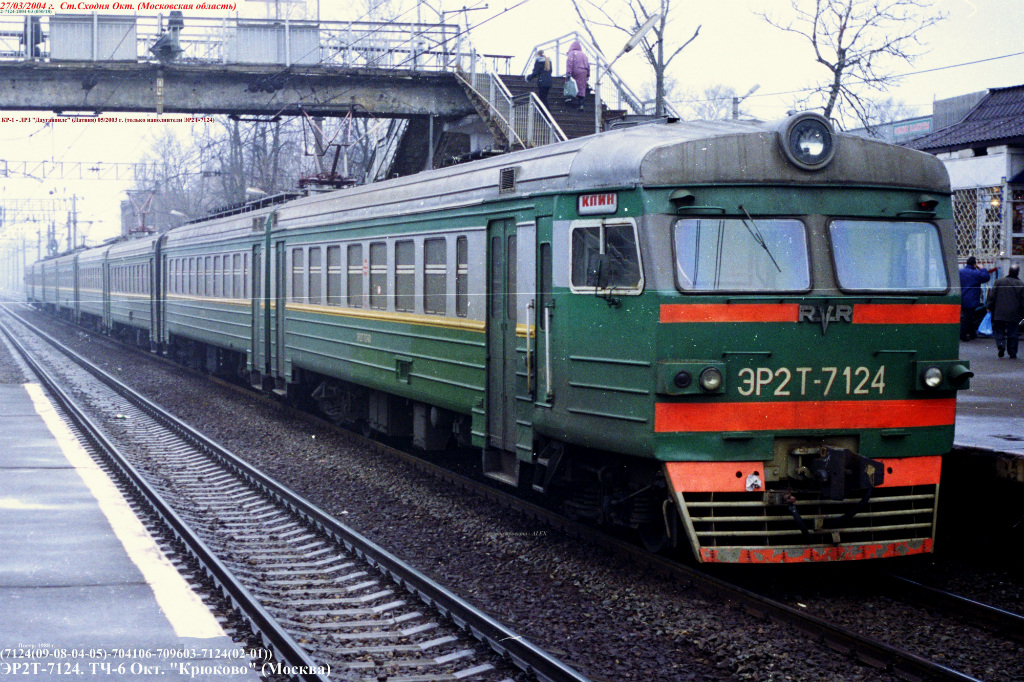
[(626, 98), (233, 40), (524, 120)]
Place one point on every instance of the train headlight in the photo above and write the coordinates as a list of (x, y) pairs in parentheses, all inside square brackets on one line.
[(932, 377), (809, 141), (710, 379)]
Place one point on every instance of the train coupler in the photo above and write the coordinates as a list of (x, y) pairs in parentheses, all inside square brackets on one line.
[(840, 471)]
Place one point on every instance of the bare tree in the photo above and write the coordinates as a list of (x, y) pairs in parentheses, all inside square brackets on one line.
[(883, 111), (859, 42), (627, 16), (712, 104)]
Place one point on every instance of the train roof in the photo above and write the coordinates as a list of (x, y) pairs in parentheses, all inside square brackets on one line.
[(670, 154), (132, 247)]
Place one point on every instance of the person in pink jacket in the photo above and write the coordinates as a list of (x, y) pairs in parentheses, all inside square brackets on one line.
[(577, 67)]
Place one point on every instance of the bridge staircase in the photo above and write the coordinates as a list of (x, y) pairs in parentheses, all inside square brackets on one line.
[(573, 121)]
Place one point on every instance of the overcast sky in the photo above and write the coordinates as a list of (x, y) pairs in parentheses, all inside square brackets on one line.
[(735, 48)]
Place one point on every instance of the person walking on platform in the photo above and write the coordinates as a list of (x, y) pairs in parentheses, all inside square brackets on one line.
[(577, 67), (1006, 301), (971, 309), (542, 72)]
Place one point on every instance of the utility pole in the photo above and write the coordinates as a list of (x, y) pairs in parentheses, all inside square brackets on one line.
[(736, 101)]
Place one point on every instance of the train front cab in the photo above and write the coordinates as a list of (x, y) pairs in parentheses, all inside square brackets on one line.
[(808, 365)]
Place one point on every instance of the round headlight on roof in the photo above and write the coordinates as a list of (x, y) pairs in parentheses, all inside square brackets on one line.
[(808, 141)]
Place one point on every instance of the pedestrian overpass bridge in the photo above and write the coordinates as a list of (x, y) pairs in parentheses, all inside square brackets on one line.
[(426, 78)]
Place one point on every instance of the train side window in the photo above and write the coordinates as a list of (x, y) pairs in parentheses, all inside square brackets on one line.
[(225, 276), (435, 281), (333, 275), (298, 293), (245, 276), (586, 249), (606, 256), (379, 275), (315, 276), (405, 276), (192, 276), (462, 276), (545, 281), (208, 275), (238, 275), (217, 289), (355, 276)]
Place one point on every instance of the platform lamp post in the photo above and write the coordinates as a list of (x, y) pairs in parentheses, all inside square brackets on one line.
[(633, 41), (736, 101)]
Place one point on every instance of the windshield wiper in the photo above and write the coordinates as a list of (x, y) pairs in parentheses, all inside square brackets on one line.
[(758, 237)]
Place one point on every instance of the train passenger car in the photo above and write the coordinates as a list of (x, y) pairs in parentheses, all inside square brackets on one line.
[(740, 336), (67, 286), (93, 304), (131, 295), (208, 304), (32, 275)]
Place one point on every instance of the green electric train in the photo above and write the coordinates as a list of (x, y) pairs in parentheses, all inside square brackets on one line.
[(734, 338)]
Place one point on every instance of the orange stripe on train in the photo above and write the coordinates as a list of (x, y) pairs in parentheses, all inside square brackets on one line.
[(769, 555), (731, 477), (863, 313), (810, 414), (906, 313)]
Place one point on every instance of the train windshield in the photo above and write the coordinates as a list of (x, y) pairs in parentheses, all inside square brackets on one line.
[(880, 255), (741, 254)]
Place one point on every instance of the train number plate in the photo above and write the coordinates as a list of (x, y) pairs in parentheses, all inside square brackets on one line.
[(801, 381)]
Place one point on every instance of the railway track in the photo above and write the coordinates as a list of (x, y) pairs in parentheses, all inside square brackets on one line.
[(318, 594), (871, 651)]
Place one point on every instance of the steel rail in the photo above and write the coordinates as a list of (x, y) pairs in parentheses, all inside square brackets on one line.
[(264, 625), (503, 641), (999, 620)]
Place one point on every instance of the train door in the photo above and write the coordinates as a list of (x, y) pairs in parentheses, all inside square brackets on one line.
[(499, 459), (525, 323), (76, 289), (105, 324), (259, 357), (280, 289)]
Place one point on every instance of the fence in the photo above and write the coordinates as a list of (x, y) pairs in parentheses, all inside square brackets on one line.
[(232, 40)]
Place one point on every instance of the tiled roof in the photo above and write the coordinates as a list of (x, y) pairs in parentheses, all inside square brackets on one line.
[(998, 119)]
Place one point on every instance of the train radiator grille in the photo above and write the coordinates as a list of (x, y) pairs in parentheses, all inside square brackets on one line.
[(738, 522)]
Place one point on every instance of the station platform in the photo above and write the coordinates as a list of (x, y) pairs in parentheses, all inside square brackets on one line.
[(86, 593), (990, 414)]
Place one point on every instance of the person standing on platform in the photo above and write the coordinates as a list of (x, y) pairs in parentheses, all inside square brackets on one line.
[(577, 67), (542, 72), (1006, 301), (971, 310)]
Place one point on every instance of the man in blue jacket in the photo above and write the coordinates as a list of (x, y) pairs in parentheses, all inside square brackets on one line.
[(972, 312), (542, 72)]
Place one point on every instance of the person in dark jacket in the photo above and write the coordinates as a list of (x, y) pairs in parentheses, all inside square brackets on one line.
[(577, 67), (1006, 301), (971, 310), (542, 72)]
